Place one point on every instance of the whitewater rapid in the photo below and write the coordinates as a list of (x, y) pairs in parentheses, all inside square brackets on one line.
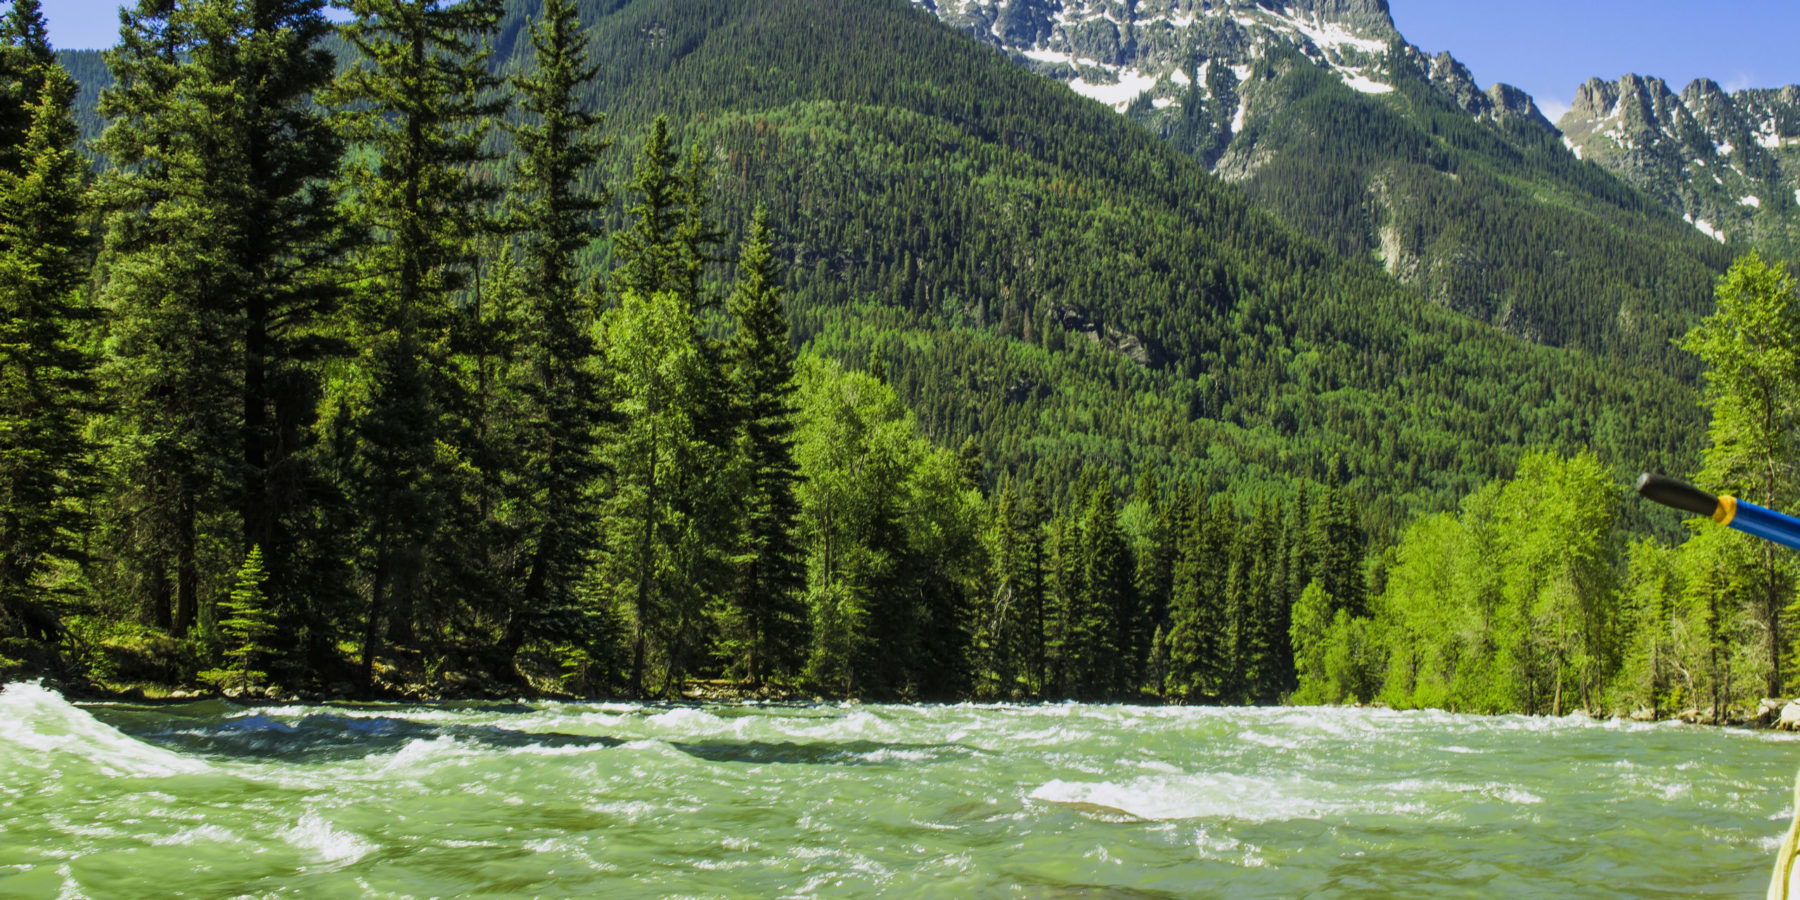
[(525, 799)]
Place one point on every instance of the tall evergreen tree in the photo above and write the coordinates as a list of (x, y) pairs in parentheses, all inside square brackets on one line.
[(1096, 661), (683, 524), (44, 377), (764, 619), (421, 101), (172, 291), (558, 401), (25, 63), (267, 62), (1198, 622)]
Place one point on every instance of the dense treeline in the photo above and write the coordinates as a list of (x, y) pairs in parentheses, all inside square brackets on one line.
[(312, 427), (357, 390), (1531, 599), (1047, 278)]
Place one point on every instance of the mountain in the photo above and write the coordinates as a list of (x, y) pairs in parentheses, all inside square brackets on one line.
[(1729, 162), (1326, 116), (1042, 274)]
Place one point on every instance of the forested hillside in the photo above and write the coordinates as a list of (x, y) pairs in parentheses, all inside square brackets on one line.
[(1332, 121), (362, 388), (1044, 276)]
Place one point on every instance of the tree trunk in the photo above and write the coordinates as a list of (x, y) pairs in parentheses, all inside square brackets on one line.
[(371, 637), (187, 569)]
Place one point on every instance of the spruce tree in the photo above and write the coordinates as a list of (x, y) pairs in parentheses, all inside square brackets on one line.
[(25, 63), (218, 149), (1198, 624), (172, 288), (44, 378), (557, 399), (685, 521), (246, 626), (765, 621), (421, 102)]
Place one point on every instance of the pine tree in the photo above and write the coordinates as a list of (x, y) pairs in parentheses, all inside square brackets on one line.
[(44, 377), (1152, 580), (172, 288), (557, 399), (247, 626), (25, 64), (1096, 618), (1198, 649), (764, 621), (421, 101), (683, 524)]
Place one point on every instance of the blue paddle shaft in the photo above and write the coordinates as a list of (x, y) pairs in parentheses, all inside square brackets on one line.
[(1767, 524)]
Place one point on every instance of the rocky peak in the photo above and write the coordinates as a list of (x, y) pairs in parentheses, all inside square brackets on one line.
[(1595, 99), (1454, 80), (1152, 57), (1730, 162), (1510, 102), (1369, 17)]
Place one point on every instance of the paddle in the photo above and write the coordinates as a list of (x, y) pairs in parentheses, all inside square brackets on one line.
[(1725, 510)]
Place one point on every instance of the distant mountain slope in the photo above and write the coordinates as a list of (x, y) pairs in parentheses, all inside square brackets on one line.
[(1042, 274), (1730, 163), (1328, 118)]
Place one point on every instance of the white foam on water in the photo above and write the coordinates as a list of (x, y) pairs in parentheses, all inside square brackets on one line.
[(70, 890), (1226, 848), (687, 720), (1205, 796), (312, 833), (40, 721), (419, 755), (187, 836), (1509, 794), (1268, 740)]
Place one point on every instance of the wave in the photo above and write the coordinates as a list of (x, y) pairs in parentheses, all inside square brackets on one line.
[(43, 729)]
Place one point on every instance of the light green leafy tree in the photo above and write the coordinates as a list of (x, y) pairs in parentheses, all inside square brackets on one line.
[(1751, 348)]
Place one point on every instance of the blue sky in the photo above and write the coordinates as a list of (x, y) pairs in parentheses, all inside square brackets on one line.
[(1547, 47)]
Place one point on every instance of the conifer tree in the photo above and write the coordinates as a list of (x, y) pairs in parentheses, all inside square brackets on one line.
[(44, 377), (247, 625), (1197, 635), (557, 398), (421, 101), (1095, 658), (665, 252), (764, 620), (171, 290), (25, 63)]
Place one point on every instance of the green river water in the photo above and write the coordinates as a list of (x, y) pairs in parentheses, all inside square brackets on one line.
[(211, 799)]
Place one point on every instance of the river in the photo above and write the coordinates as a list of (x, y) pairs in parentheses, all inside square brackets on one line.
[(212, 799)]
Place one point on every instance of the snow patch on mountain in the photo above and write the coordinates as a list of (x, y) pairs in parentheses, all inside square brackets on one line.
[(1364, 84), (1131, 83)]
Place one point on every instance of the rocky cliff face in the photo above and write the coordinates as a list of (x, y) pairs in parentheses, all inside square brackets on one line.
[(1730, 162), (1152, 57)]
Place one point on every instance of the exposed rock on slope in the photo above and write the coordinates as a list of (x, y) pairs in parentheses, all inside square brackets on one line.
[(1730, 163)]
